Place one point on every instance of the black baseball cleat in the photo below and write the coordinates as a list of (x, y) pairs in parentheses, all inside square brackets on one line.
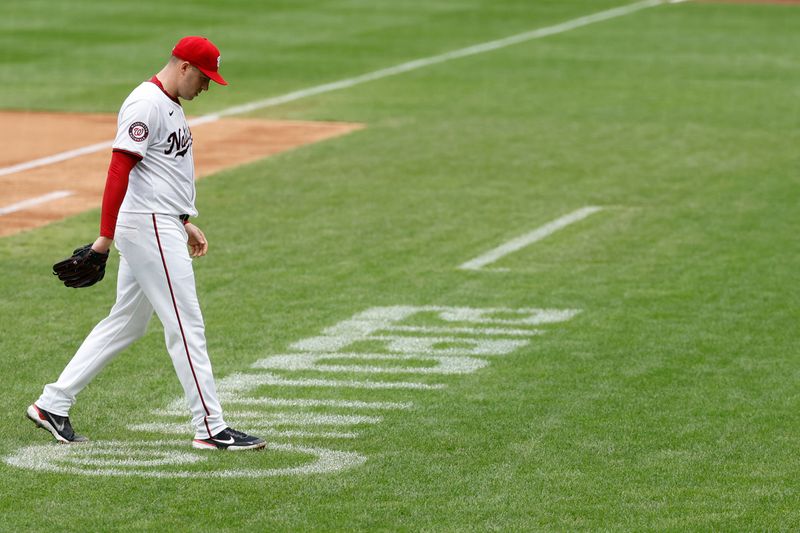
[(58, 426), (229, 439)]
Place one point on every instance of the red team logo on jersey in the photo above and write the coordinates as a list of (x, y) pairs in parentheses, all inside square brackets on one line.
[(138, 131)]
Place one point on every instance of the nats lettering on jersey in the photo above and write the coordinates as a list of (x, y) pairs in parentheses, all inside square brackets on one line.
[(179, 142)]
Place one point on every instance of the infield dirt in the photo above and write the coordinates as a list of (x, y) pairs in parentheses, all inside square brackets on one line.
[(217, 145)]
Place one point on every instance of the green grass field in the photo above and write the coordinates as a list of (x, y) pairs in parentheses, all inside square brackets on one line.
[(671, 401)]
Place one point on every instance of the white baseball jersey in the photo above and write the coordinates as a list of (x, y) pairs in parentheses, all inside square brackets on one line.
[(155, 269), (153, 126)]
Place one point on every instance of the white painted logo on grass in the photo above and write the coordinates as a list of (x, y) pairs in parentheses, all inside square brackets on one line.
[(412, 351)]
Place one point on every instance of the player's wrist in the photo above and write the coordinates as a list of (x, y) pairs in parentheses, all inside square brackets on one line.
[(102, 244)]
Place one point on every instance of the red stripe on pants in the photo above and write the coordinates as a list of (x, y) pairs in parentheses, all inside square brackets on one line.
[(180, 325)]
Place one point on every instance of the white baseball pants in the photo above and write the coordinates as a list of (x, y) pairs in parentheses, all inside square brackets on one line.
[(155, 273)]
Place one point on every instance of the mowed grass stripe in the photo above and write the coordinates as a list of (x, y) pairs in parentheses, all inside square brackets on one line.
[(441, 58), (351, 82)]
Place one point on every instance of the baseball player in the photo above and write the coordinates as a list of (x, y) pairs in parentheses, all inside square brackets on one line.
[(148, 200)]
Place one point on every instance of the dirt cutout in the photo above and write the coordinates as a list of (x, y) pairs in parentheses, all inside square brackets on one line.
[(26, 136)]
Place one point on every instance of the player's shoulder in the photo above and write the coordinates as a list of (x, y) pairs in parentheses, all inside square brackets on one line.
[(145, 99), (144, 92)]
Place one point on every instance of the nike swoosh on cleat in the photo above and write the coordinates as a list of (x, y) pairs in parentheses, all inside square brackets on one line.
[(59, 427), (229, 441)]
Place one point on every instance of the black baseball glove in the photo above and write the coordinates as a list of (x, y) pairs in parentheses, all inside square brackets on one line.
[(85, 268)]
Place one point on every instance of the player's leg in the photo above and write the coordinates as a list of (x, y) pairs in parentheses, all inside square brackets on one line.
[(126, 322), (167, 277)]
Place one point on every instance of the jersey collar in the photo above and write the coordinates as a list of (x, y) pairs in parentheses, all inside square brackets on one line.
[(158, 84)]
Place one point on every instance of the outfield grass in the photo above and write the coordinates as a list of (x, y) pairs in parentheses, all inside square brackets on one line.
[(669, 403)]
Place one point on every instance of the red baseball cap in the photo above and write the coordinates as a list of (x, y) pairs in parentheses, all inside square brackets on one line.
[(201, 53)]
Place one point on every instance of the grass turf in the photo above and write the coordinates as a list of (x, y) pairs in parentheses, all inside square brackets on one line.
[(670, 402)]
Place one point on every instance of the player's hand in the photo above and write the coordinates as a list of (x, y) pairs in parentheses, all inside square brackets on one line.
[(198, 245)]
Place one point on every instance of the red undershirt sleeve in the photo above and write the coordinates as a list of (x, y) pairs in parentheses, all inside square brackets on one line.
[(116, 186)]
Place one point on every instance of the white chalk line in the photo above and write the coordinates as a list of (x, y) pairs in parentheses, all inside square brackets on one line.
[(55, 158), (269, 420), (178, 407), (308, 361), (527, 239), (263, 429), (263, 379), (115, 458), (32, 202), (466, 331), (371, 76)]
